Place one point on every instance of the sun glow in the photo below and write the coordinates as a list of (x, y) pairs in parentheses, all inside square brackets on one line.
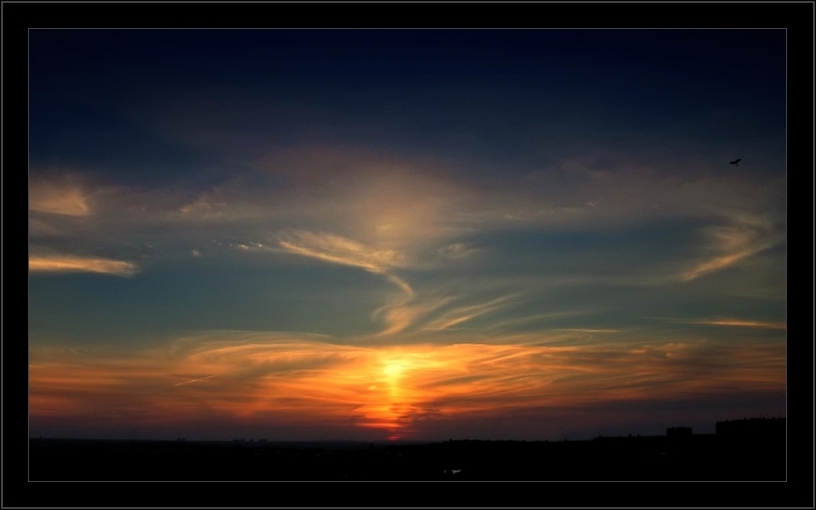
[(393, 392)]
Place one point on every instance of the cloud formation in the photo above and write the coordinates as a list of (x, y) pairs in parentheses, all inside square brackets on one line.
[(385, 213), (77, 264), (340, 250), (726, 245), (463, 314), (58, 197), (741, 323), (400, 390)]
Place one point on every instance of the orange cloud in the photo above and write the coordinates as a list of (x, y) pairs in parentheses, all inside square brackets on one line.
[(58, 198), (395, 390), (76, 264)]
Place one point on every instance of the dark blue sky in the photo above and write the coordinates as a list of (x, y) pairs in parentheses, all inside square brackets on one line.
[(429, 88)]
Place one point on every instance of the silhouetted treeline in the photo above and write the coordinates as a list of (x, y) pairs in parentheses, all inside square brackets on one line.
[(721, 456)]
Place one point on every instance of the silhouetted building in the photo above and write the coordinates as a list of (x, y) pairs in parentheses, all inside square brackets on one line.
[(678, 431), (752, 428)]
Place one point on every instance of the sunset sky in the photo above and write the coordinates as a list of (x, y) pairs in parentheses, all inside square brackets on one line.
[(405, 234)]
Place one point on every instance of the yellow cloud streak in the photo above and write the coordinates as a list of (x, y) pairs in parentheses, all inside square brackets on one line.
[(739, 323), (56, 199), (716, 264), (340, 250), (464, 314), (402, 314), (73, 264), (532, 318)]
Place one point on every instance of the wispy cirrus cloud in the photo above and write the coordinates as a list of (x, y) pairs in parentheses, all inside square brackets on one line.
[(528, 319), (726, 245), (466, 313), (340, 250), (415, 212), (404, 312), (397, 313), (80, 264), (336, 249), (734, 322)]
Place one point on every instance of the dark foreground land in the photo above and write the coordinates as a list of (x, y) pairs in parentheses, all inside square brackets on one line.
[(663, 458)]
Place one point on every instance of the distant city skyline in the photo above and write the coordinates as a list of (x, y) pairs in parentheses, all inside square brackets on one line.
[(405, 234)]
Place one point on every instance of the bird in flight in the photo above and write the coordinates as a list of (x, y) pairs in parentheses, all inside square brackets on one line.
[(735, 162)]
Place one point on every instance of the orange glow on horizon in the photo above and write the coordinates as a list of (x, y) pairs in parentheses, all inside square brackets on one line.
[(392, 389)]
